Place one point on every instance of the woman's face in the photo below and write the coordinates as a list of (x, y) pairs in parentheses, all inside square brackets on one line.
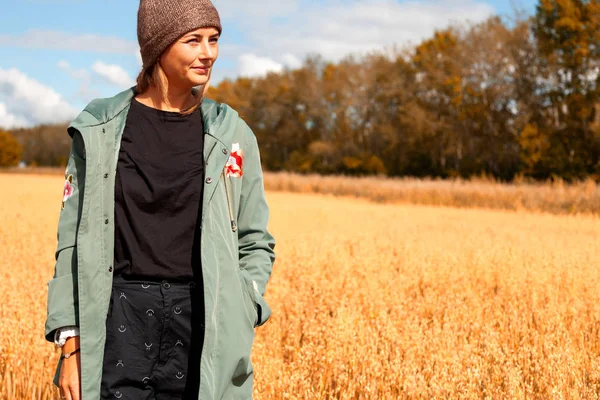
[(188, 61)]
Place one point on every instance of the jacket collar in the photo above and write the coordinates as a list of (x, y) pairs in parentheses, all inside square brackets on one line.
[(102, 111)]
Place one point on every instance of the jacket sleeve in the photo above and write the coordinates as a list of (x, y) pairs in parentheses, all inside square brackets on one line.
[(62, 288), (256, 244)]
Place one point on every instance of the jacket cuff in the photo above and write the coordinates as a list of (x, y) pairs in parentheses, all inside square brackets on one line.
[(62, 334)]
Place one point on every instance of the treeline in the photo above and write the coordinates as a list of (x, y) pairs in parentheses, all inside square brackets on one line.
[(44, 145), (501, 99), (493, 99)]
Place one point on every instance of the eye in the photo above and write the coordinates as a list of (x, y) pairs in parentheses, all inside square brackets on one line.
[(214, 40), (192, 40)]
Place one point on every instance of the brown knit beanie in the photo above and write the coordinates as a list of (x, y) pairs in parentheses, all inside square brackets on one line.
[(161, 22)]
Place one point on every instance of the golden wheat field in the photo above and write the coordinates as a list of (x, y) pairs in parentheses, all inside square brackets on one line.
[(370, 301)]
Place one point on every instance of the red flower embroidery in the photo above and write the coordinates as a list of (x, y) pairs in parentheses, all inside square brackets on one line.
[(68, 190), (236, 161)]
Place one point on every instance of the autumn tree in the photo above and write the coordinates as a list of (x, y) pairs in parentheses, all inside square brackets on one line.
[(10, 150), (568, 39), (438, 95), (44, 145)]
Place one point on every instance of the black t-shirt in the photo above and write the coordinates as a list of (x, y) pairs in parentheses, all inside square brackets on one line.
[(158, 195)]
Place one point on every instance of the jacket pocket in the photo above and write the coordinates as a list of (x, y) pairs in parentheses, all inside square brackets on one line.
[(261, 308), (249, 299)]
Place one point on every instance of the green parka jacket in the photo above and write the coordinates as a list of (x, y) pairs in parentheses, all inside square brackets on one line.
[(237, 251)]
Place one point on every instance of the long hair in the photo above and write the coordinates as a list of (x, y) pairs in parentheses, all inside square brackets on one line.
[(155, 76)]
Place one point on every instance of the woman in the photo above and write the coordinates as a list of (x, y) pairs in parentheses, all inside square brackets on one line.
[(163, 251)]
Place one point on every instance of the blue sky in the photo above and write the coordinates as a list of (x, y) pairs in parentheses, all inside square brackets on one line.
[(57, 55)]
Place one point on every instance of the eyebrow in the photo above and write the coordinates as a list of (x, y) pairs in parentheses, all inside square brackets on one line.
[(197, 35)]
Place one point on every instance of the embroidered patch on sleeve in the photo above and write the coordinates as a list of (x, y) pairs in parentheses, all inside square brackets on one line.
[(234, 166), (68, 190)]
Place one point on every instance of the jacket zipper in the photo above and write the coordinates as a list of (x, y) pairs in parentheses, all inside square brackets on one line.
[(233, 224)]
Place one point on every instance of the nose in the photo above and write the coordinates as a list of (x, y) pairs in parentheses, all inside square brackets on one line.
[(206, 51)]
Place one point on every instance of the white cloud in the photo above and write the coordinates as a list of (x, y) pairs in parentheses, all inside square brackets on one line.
[(79, 74), (288, 31), (291, 60), (233, 9), (8, 120), (114, 74), (253, 65), (27, 102), (51, 39), (62, 64), (85, 92)]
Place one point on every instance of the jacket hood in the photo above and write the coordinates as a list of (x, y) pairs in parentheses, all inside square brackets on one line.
[(101, 111)]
